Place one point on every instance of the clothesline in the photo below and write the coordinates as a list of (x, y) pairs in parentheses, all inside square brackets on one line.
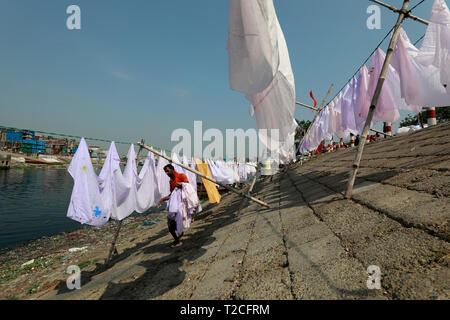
[(206, 177), (113, 194), (260, 68), (371, 54), (415, 78), (72, 136), (93, 139)]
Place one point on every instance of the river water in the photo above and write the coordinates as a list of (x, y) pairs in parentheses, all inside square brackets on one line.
[(33, 203)]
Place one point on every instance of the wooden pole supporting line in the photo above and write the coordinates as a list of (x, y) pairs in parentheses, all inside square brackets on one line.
[(315, 117), (375, 98), (322, 105), (407, 13), (420, 119), (306, 106), (242, 194), (383, 133), (248, 193), (119, 225)]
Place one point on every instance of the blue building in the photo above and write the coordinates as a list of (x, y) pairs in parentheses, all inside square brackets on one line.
[(13, 136), (33, 146)]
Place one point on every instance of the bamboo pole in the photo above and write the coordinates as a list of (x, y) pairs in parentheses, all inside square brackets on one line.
[(384, 70), (322, 105), (113, 244), (421, 119), (407, 13), (248, 193), (383, 133), (205, 177), (315, 117), (306, 106), (119, 225)]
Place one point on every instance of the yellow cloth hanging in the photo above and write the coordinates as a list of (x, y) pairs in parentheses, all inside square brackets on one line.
[(213, 194)]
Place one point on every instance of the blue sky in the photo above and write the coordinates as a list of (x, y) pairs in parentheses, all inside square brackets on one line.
[(143, 68)]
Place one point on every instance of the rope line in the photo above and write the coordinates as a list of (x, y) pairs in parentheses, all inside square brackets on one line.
[(381, 42), (72, 136)]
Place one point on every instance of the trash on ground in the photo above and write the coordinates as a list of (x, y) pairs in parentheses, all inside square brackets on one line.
[(72, 250), (27, 263)]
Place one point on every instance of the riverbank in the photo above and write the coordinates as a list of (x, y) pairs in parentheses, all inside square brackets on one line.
[(22, 161), (39, 265), (36, 265), (311, 244)]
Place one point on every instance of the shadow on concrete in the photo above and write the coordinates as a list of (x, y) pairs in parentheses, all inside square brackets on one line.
[(316, 194), (164, 274)]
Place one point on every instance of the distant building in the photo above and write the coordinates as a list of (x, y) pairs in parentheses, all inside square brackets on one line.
[(97, 152), (26, 141), (2, 140)]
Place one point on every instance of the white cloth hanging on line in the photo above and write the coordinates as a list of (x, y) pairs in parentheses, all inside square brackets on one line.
[(87, 204), (112, 194), (177, 168), (363, 100), (194, 181), (242, 171), (420, 80), (107, 180), (126, 188), (386, 109), (348, 107), (220, 174), (232, 166), (161, 177), (147, 194), (336, 121), (192, 177), (252, 63), (259, 67), (436, 44)]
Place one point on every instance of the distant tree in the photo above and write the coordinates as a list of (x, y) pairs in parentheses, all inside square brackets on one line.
[(302, 128), (442, 115), (305, 124), (409, 121)]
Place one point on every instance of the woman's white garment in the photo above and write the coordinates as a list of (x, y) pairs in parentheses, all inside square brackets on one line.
[(177, 167), (348, 107), (232, 166), (252, 62), (126, 189), (162, 178), (219, 173), (242, 171), (363, 100), (87, 203), (193, 182), (107, 179), (147, 193), (420, 79), (387, 108), (259, 67), (192, 177)]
